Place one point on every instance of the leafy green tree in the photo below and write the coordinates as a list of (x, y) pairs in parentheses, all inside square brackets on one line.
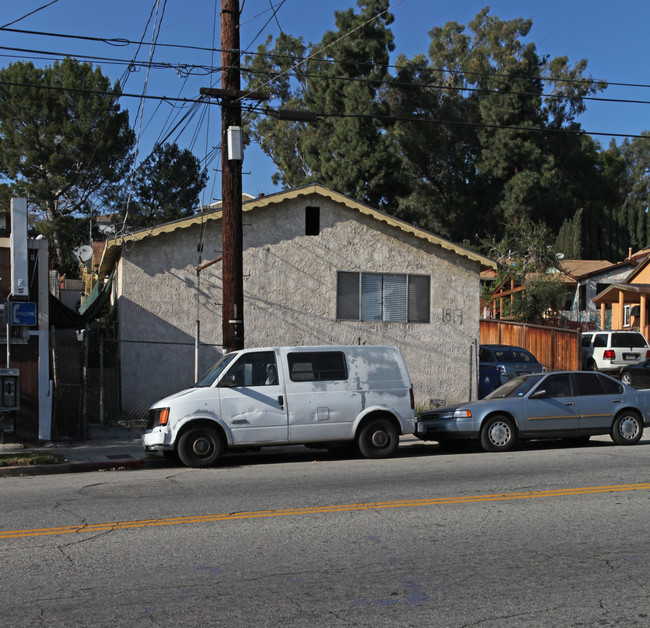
[(635, 207), (496, 151), (341, 78), (63, 138), (165, 187), (525, 255)]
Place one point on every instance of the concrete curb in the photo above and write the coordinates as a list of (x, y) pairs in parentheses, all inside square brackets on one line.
[(80, 467)]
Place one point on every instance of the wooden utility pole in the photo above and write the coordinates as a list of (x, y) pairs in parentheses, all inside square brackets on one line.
[(231, 183)]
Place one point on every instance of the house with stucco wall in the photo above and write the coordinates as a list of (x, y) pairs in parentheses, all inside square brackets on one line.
[(319, 268)]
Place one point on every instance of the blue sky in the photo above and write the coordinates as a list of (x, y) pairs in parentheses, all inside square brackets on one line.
[(612, 36)]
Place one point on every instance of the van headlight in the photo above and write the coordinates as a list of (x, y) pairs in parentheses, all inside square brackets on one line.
[(157, 417)]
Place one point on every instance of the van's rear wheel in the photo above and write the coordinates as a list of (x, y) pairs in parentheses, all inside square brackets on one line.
[(200, 447), (378, 439)]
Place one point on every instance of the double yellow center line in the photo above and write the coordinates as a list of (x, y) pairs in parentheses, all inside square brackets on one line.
[(319, 510)]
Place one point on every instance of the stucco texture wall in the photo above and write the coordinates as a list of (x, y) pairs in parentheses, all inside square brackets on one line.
[(290, 296)]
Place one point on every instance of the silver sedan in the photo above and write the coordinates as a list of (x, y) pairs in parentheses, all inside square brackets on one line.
[(572, 404)]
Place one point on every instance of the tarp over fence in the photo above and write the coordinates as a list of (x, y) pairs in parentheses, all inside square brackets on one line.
[(63, 317)]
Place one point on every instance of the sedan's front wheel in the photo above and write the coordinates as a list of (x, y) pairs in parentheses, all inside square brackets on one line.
[(627, 428), (498, 434)]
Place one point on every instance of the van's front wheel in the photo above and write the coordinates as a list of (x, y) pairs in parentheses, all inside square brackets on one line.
[(200, 447), (378, 439)]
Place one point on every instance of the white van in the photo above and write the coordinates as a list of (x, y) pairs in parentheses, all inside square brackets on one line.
[(326, 395)]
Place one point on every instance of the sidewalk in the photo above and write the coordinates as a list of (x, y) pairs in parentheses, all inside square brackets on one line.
[(118, 451)]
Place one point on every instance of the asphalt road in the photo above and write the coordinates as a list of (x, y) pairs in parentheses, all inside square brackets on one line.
[(544, 535)]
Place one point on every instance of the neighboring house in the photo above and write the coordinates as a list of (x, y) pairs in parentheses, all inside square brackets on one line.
[(319, 268), (625, 304), (584, 279)]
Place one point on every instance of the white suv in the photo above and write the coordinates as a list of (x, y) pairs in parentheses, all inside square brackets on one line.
[(609, 351)]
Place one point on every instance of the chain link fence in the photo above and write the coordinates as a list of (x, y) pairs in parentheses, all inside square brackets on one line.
[(111, 383)]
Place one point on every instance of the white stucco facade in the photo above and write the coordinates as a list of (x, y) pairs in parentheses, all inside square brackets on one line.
[(290, 293)]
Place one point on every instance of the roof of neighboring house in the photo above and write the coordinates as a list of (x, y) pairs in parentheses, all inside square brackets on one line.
[(578, 268), (630, 291), (114, 246)]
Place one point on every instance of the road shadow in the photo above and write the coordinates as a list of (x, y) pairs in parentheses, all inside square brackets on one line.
[(413, 449)]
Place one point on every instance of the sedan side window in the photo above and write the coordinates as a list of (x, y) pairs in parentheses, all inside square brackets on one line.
[(557, 386), (589, 384), (611, 386)]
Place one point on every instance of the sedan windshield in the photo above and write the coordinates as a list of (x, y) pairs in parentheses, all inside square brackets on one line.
[(516, 387), (209, 378)]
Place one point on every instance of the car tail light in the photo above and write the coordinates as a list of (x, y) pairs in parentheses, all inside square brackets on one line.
[(647, 355), (609, 354)]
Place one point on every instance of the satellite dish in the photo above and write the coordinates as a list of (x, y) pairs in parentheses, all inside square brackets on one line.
[(83, 253)]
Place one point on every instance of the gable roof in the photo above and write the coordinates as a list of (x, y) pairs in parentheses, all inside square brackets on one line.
[(578, 268), (114, 246)]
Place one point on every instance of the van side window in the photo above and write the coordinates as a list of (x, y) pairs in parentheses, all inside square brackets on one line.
[(317, 366), (253, 369)]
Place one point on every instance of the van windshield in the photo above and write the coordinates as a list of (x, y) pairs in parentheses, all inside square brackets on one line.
[(209, 378)]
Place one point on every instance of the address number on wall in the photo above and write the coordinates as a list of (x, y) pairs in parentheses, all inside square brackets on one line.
[(449, 315)]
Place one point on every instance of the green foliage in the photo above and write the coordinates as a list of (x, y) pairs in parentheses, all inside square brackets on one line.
[(29, 458), (525, 256), (342, 77), (166, 186), (63, 137), (494, 152)]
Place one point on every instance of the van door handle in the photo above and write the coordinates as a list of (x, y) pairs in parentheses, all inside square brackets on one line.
[(281, 400)]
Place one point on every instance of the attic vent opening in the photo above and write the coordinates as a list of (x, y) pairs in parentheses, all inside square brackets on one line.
[(312, 221)]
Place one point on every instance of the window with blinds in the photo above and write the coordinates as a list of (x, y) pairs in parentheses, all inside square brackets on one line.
[(383, 297)]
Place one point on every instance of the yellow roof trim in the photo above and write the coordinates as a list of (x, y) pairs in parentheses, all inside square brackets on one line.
[(113, 246)]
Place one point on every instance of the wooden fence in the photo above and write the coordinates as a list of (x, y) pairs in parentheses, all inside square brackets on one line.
[(557, 349)]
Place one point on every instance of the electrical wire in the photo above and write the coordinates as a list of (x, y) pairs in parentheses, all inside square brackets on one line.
[(120, 41), (31, 13)]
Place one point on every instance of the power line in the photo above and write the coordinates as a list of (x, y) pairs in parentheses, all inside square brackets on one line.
[(257, 109), (121, 41), (31, 13)]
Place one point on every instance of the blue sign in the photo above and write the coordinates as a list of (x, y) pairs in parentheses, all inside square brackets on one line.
[(22, 313)]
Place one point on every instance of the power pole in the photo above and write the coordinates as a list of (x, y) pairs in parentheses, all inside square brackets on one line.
[(232, 154), (231, 182)]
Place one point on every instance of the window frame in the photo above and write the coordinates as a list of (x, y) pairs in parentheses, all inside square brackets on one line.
[(318, 359), (364, 306)]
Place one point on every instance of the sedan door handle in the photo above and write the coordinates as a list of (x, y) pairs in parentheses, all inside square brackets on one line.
[(617, 401), (570, 403)]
